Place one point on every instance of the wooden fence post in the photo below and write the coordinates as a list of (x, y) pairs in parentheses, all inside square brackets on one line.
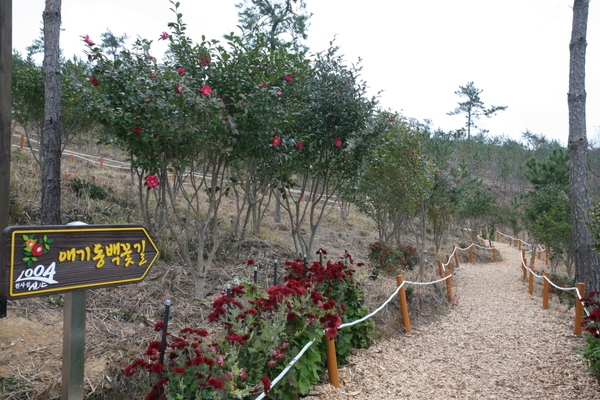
[(531, 282), (524, 266), (547, 257), (440, 269), (101, 162), (449, 286), (332, 367), (519, 243), (471, 249), (456, 256), (22, 141), (494, 254), (579, 309), (510, 241), (533, 251), (403, 305), (546, 291)]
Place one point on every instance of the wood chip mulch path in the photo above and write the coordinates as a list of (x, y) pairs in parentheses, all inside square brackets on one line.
[(496, 343)]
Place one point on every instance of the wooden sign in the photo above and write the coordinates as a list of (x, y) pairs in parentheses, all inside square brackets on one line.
[(41, 260)]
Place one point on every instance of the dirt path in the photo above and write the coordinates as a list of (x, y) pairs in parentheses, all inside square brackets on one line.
[(497, 343)]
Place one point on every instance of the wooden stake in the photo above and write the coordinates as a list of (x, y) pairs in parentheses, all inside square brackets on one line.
[(22, 141), (403, 305), (546, 293), (533, 250), (579, 309), (471, 249), (531, 282), (101, 162), (456, 256), (332, 366), (449, 286), (494, 254), (440, 269)]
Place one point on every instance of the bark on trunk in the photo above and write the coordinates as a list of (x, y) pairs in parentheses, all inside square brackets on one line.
[(586, 259), (51, 137)]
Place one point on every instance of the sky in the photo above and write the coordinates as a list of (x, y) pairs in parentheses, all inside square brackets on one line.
[(414, 54)]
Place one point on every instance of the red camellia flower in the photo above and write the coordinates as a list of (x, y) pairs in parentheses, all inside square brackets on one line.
[(163, 36), (204, 61), (279, 94), (205, 90), (87, 40), (94, 81), (37, 250), (337, 142), (250, 262), (137, 130), (152, 181), (180, 71), (276, 141), (178, 88), (299, 145), (390, 119), (288, 78)]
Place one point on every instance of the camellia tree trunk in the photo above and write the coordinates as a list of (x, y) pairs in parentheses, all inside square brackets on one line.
[(52, 116), (586, 259)]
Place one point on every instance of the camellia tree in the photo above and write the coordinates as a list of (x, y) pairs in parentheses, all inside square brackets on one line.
[(325, 146)]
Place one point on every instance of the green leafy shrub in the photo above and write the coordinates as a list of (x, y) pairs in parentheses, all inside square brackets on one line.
[(564, 296), (84, 188), (591, 323), (392, 261)]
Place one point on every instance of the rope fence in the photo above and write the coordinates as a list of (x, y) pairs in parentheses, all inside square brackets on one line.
[(530, 276)]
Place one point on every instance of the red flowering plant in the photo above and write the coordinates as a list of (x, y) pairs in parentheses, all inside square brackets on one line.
[(266, 329), (193, 368), (333, 285), (591, 323)]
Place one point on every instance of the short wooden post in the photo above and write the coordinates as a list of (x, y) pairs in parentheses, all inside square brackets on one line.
[(494, 254), (449, 286), (547, 257), (510, 241), (174, 175), (449, 262), (440, 268), (579, 309), (101, 162), (524, 266), (456, 256), (403, 305), (490, 243), (332, 367), (71, 158), (497, 235), (531, 282), (22, 141), (533, 251), (546, 293), (471, 249), (519, 243)]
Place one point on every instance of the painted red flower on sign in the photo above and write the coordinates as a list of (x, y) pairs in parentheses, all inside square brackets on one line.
[(152, 181), (337, 142), (37, 250), (276, 141), (163, 36), (205, 90)]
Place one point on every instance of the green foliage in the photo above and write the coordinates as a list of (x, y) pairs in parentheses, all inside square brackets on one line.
[(392, 261), (82, 188), (553, 171), (591, 323)]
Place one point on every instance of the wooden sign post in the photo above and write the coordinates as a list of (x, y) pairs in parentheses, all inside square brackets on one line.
[(40, 260)]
